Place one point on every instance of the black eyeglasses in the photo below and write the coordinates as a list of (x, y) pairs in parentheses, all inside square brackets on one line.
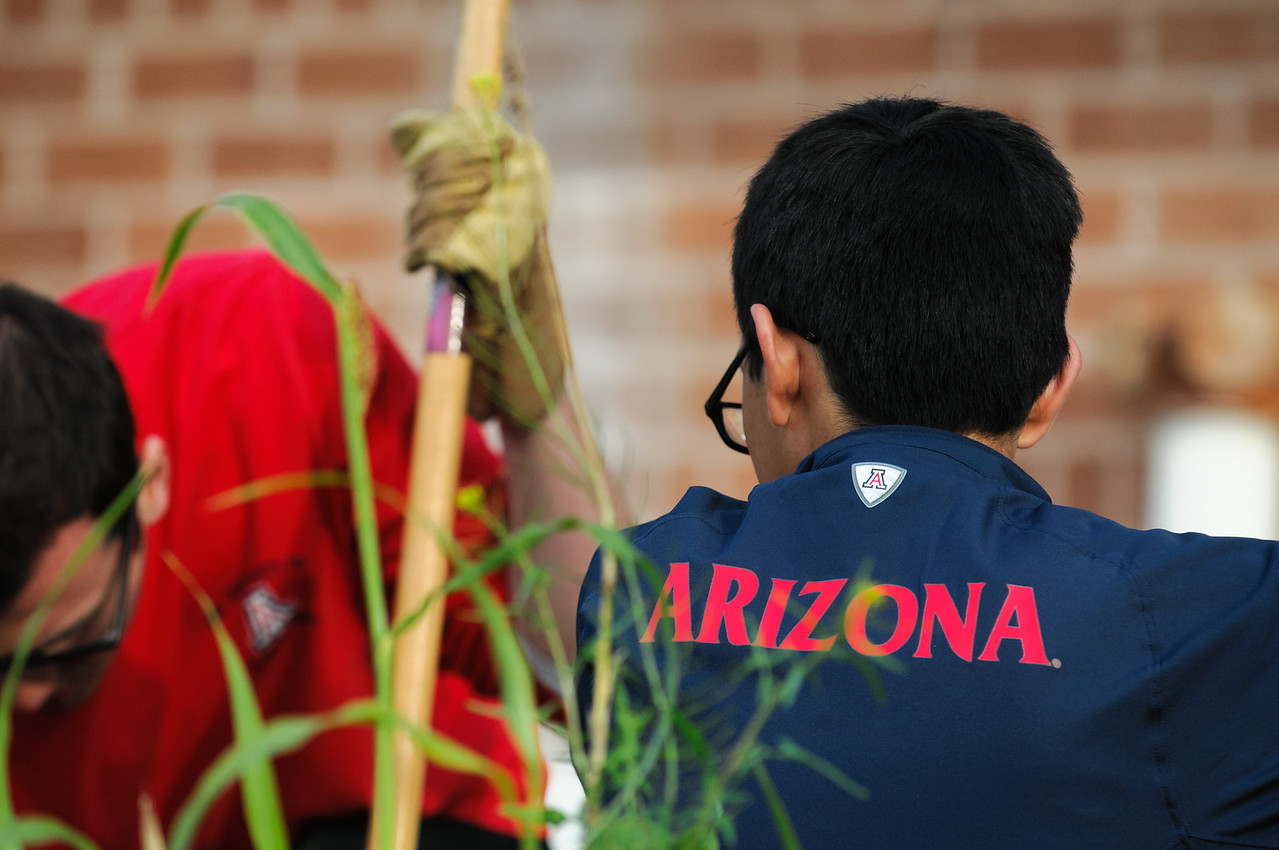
[(64, 660), (727, 415)]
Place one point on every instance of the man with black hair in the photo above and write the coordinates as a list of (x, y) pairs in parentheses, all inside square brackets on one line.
[(901, 270), (231, 380)]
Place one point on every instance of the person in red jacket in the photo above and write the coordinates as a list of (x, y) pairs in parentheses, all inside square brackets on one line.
[(231, 379)]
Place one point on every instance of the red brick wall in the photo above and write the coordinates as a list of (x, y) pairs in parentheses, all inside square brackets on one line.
[(118, 116)]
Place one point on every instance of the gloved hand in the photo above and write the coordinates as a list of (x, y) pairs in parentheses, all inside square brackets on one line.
[(453, 224)]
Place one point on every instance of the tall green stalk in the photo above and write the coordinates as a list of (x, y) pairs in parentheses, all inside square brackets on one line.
[(288, 243)]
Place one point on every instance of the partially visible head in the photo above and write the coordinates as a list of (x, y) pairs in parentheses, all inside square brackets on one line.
[(927, 250), (66, 430), (66, 452)]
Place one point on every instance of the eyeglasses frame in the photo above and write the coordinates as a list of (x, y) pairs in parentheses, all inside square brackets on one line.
[(38, 659), (715, 404)]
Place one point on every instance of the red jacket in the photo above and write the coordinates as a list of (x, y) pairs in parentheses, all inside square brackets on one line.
[(236, 370)]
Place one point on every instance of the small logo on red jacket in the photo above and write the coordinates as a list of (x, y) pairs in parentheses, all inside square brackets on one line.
[(875, 482), (267, 616)]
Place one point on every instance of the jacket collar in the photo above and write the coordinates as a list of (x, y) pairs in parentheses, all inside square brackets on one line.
[(977, 457)]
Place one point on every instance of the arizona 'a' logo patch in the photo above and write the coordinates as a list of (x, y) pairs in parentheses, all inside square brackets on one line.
[(875, 482), (267, 616)]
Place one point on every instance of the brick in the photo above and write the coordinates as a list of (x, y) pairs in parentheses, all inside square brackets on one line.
[(1219, 214), (1132, 128), (1101, 217), (700, 228), (23, 11), (42, 244), (217, 231), (107, 10), (367, 72), (708, 57), (1084, 483), (678, 143), (717, 316), (748, 142), (107, 160), (1232, 37), (1263, 123), (1094, 43), (41, 83), (354, 237), (237, 157), (691, 392), (193, 76), (834, 54), (388, 159)]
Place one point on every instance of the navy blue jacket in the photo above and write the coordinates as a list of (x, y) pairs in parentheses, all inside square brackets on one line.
[(994, 670)]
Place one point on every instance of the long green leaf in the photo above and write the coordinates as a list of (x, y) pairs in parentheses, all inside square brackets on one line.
[(280, 232), (41, 830), (285, 239), (261, 793), (781, 817), (509, 547), (791, 751), (287, 733), (171, 252), (515, 682), (281, 735)]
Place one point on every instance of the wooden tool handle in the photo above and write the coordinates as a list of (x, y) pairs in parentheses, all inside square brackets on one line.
[(437, 448), (479, 47)]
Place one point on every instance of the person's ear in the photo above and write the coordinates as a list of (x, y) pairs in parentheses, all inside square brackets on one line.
[(781, 365), (1050, 401), (153, 499)]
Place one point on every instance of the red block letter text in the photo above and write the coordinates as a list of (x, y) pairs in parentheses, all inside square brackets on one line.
[(1021, 603), (959, 633), (719, 607), (676, 588), (855, 619)]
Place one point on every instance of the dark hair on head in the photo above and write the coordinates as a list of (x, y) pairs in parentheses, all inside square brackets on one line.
[(66, 429), (926, 249)]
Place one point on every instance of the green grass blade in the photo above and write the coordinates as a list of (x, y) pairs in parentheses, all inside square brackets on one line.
[(285, 239), (272, 484), (791, 751), (280, 232), (507, 549), (261, 794), (281, 735), (287, 733), (171, 252), (41, 830), (781, 817), (438, 748), (515, 683)]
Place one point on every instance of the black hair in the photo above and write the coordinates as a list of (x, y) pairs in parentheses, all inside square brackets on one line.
[(926, 248), (66, 429)]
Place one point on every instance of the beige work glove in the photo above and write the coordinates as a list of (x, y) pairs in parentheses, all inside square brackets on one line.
[(453, 225)]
